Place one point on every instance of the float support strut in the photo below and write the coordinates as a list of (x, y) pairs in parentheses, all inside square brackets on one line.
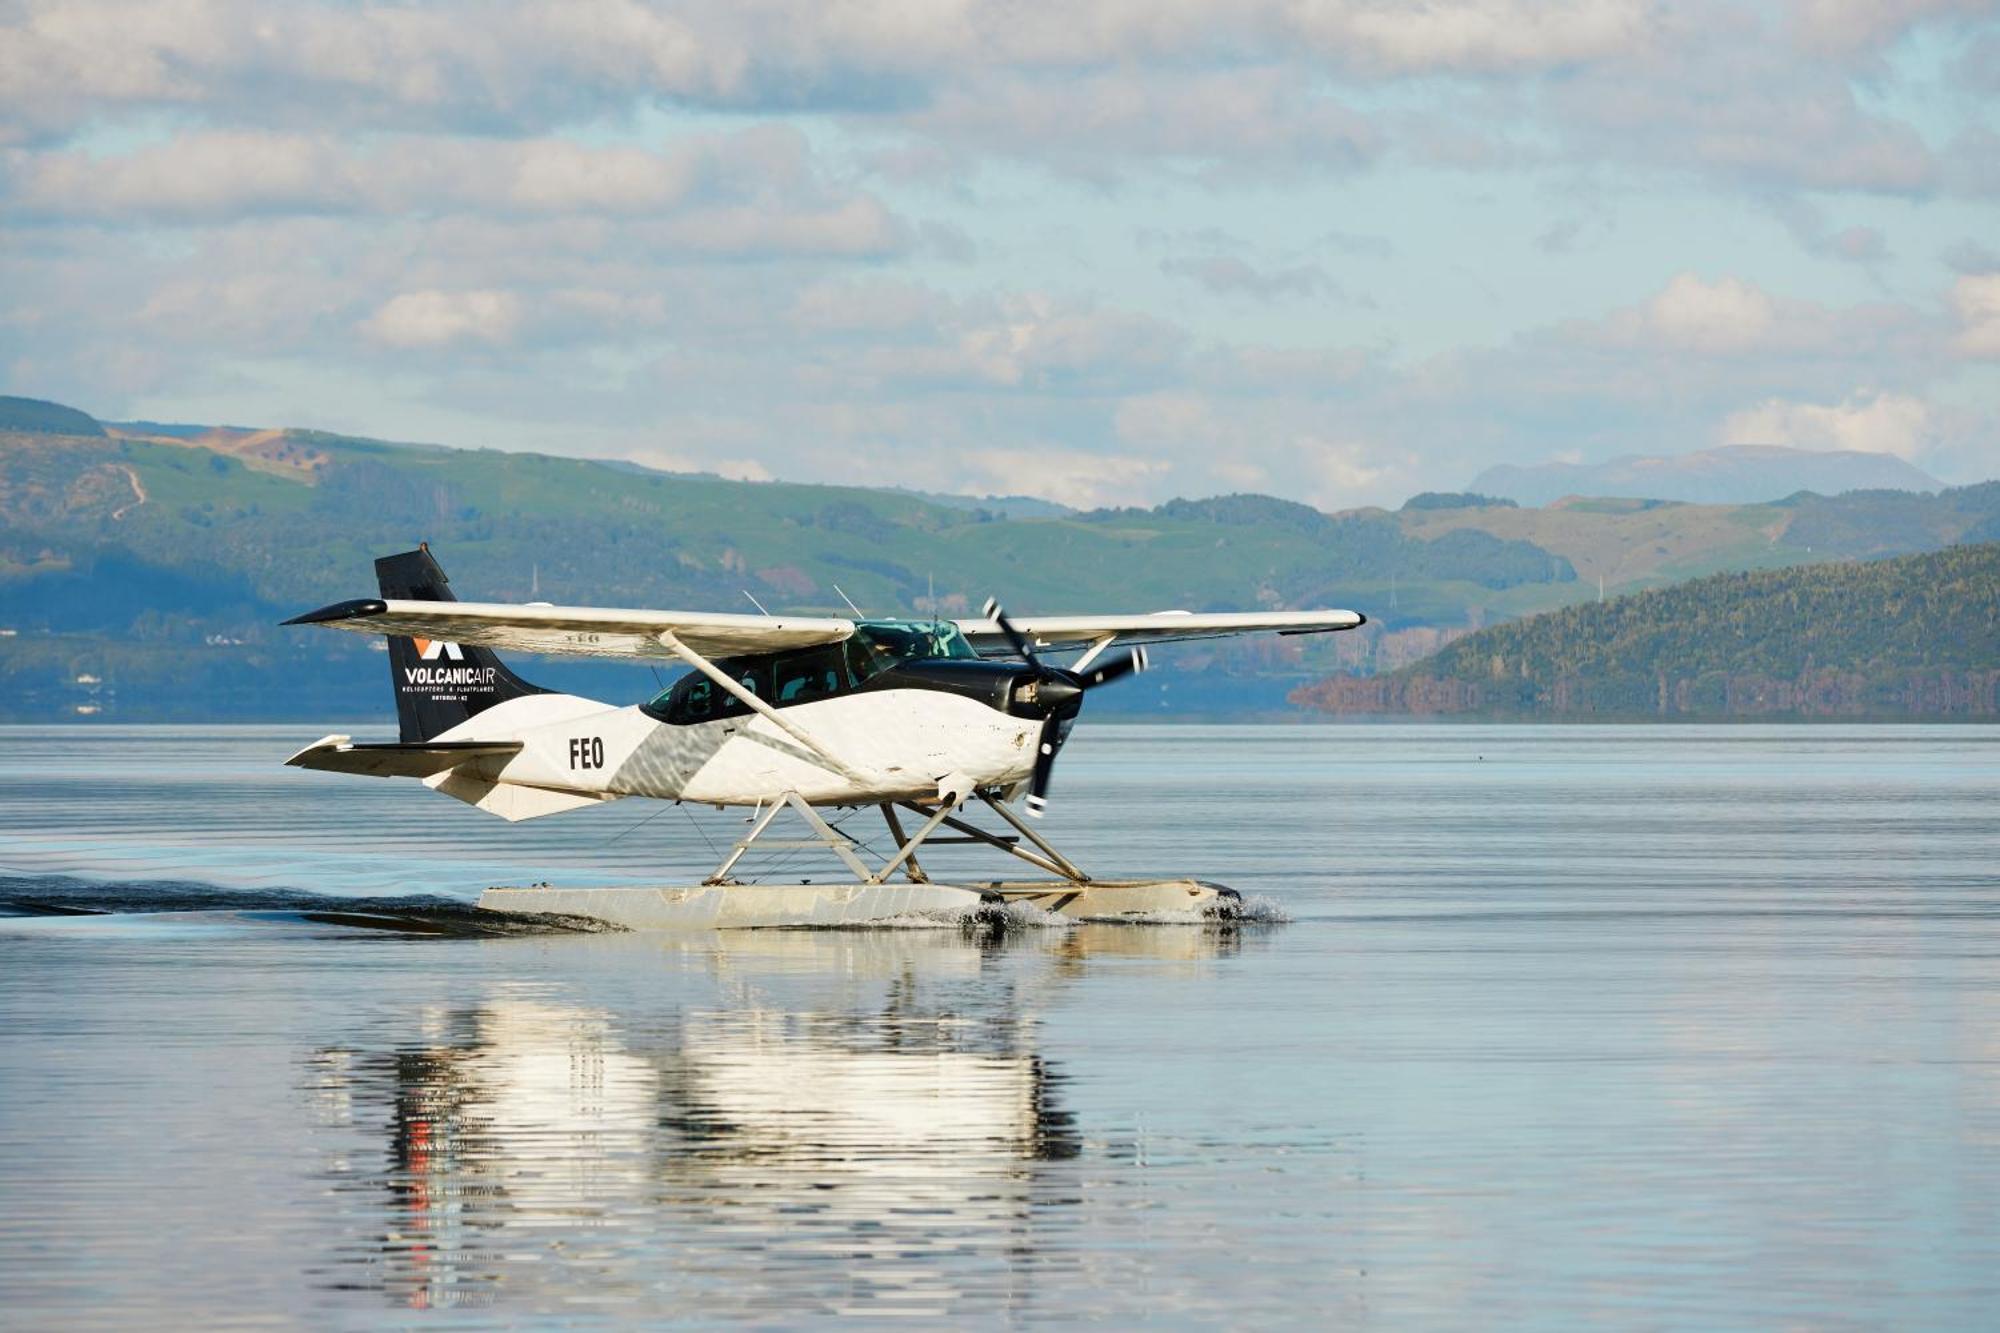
[(829, 837), (908, 851), (1063, 863)]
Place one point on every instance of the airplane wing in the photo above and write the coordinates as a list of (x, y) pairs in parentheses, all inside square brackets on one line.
[(588, 631), (1060, 632)]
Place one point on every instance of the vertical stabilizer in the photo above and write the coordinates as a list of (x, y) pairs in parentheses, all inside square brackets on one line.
[(438, 684)]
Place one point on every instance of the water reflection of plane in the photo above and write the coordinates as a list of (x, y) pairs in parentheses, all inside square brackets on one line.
[(867, 1105)]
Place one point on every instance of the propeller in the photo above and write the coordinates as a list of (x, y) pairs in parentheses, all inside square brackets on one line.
[(1058, 695)]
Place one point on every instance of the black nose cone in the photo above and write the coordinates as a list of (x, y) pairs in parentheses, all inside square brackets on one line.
[(1049, 694)]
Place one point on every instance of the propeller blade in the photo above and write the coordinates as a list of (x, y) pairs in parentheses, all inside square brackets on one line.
[(998, 615), (1125, 664), (1046, 745)]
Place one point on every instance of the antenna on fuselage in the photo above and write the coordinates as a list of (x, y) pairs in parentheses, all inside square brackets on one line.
[(754, 602), (858, 615)]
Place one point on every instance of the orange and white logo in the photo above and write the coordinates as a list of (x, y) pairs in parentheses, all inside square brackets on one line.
[(430, 650)]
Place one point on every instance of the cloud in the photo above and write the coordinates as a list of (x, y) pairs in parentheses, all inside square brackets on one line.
[(1969, 256), (1977, 300), (1093, 88), (745, 192), (1082, 480), (472, 205), (433, 319), (1722, 316), (1293, 443), (1849, 28), (1098, 122), (1860, 245), (523, 65), (1884, 423), (1225, 275)]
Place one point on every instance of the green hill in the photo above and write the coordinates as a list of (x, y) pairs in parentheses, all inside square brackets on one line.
[(143, 575), (35, 415), (1913, 636), (156, 560)]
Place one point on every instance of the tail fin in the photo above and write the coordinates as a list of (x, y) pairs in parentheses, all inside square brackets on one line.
[(438, 684)]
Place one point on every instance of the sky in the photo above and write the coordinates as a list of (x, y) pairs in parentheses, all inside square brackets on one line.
[(1104, 252)]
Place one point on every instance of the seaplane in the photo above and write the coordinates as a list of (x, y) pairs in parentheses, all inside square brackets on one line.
[(925, 718)]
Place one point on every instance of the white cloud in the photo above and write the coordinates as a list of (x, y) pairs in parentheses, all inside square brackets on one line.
[(1474, 36), (1071, 477), (1851, 27), (1723, 316), (205, 177), (1092, 86), (759, 189), (1977, 298), (1096, 122), (1884, 423), (720, 463), (528, 64), (1337, 473), (1286, 444), (434, 318), (206, 191)]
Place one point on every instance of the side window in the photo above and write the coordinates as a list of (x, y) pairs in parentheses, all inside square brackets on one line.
[(695, 698), (803, 677)]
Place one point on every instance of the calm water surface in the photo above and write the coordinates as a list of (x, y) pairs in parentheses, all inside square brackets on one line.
[(1673, 1027)]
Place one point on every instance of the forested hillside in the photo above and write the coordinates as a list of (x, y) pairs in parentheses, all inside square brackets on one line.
[(144, 567), (1915, 636), (144, 576)]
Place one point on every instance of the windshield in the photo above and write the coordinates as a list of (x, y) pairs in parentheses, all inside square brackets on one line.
[(880, 644)]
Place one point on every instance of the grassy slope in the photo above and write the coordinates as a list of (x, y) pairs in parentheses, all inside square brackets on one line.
[(1638, 549)]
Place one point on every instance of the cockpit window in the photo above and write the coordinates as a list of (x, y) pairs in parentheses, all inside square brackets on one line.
[(878, 645)]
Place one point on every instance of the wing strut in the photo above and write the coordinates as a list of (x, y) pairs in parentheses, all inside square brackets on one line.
[(749, 700)]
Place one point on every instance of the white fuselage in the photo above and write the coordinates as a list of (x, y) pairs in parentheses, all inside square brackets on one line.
[(895, 744)]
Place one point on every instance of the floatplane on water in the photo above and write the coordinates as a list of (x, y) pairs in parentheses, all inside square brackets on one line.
[(928, 718)]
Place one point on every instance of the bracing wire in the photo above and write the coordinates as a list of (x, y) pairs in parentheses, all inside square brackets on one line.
[(636, 827)]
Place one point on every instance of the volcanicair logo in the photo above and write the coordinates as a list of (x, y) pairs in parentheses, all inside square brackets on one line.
[(441, 678)]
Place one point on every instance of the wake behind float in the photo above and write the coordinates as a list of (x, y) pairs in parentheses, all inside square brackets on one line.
[(775, 713)]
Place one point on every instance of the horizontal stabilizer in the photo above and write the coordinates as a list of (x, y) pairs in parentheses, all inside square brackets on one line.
[(420, 759)]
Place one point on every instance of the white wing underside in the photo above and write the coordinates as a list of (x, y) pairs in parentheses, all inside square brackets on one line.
[(591, 631), (1059, 632)]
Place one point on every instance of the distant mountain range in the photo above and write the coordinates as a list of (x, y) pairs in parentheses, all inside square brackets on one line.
[(1916, 636), (1734, 474), (144, 568)]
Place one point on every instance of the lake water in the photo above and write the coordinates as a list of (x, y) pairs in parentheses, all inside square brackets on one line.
[(1658, 1027)]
